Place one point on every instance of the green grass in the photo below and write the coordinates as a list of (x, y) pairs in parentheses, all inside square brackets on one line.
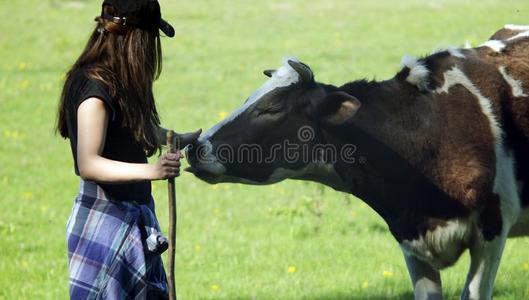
[(234, 241)]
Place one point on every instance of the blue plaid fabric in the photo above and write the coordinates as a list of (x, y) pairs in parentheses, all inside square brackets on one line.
[(114, 248)]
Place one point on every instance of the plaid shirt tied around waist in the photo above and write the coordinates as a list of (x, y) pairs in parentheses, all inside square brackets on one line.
[(114, 248)]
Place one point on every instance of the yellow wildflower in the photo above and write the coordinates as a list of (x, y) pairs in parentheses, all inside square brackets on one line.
[(198, 248), (222, 115), (292, 269), (387, 274), (365, 284), (526, 267), (27, 195), (215, 287), (22, 66), (216, 211)]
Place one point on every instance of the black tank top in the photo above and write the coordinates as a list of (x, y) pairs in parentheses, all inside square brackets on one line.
[(119, 143)]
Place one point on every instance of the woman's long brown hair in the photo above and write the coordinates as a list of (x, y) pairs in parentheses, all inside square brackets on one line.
[(125, 60)]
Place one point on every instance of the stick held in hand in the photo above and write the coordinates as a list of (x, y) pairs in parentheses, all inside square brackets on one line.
[(173, 147)]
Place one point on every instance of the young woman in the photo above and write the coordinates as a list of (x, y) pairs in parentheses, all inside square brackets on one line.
[(107, 110)]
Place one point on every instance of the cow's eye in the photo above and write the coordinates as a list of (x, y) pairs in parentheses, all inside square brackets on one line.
[(271, 110)]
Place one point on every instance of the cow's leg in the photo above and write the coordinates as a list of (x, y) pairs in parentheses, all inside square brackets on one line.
[(495, 222), (521, 228), (485, 259), (425, 279)]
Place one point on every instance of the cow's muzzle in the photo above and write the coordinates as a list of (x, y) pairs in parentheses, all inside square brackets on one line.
[(203, 163)]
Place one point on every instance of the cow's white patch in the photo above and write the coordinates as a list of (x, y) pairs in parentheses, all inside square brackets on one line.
[(456, 52), (455, 76), (452, 51), (516, 85), (495, 45), (442, 246), (418, 75), (467, 45), (505, 185), (505, 179), (284, 76), (320, 172), (516, 27), (280, 174), (519, 35)]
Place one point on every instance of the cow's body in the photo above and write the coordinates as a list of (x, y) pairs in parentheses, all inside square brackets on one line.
[(446, 143)]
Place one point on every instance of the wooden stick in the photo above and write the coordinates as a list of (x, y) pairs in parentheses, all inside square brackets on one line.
[(172, 220)]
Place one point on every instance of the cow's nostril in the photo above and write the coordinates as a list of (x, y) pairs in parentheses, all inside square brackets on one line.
[(191, 153), (191, 146)]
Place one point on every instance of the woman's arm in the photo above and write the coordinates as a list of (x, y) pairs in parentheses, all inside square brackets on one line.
[(92, 122)]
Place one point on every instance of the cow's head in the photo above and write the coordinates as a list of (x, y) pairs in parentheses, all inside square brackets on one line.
[(278, 133)]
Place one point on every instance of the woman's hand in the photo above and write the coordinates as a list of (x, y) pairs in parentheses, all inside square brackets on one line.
[(168, 166)]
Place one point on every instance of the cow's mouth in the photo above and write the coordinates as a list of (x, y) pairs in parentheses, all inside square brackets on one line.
[(214, 178), (203, 175)]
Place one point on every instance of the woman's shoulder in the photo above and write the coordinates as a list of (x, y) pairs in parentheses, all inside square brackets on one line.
[(83, 87), (81, 80)]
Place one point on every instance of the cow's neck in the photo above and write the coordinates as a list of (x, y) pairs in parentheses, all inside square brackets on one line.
[(393, 136)]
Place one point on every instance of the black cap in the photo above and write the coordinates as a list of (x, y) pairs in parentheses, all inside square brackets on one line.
[(139, 13)]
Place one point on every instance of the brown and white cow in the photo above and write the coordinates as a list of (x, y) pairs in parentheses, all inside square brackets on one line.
[(439, 151)]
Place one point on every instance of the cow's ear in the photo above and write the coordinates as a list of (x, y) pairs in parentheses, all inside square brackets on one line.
[(338, 107), (269, 73)]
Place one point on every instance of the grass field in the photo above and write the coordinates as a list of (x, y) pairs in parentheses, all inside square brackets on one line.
[(293, 240)]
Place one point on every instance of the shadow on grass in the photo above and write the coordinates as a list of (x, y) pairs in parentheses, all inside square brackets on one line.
[(499, 293), (346, 296), (450, 294), (337, 296)]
